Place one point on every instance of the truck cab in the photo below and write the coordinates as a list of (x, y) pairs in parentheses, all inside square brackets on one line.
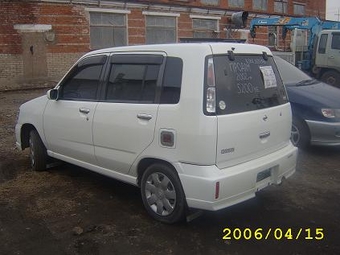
[(327, 57)]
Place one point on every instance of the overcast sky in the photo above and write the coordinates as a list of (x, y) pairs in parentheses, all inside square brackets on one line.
[(333, 9)]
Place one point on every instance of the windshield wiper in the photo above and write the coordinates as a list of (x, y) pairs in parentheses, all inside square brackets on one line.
[(306, 82)]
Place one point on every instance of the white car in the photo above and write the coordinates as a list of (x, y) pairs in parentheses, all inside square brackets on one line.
[(203, 125)]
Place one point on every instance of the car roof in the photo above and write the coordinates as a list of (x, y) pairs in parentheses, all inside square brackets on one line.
[(215, 47)]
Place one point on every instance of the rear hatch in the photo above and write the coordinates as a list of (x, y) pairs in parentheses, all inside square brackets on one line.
[(253, 115)]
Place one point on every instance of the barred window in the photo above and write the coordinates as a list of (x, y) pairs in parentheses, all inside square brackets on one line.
[(260, 5), (210, 2), (107, 30), (280, 6), (204, 28), (236, 3), (299, 9), (160, 29)]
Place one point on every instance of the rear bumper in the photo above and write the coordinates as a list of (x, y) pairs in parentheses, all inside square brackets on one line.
[(237, 183), (324, 133)]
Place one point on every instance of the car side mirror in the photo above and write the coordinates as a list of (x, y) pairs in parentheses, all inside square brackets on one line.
[(52, 94)]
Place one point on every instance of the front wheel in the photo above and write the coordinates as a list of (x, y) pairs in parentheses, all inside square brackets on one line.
[(38, 153), (162, 194), (332, 78), (300, 135)]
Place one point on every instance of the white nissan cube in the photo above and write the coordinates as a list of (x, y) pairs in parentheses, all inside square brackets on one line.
[(197, 125)]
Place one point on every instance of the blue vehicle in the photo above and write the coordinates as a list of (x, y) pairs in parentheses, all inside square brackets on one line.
[(315, 107)]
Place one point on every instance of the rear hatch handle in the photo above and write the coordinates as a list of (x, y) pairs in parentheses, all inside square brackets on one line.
[(264, 135)]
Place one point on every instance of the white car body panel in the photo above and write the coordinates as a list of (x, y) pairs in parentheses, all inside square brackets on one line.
[(237, 183), (238, 143), (115, 126), (68, 131), (32, 113)]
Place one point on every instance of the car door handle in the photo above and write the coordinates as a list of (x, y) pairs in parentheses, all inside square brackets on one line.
[(84, 110), (144, 116)]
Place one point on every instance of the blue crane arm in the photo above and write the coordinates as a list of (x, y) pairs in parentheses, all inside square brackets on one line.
[(313, 24)]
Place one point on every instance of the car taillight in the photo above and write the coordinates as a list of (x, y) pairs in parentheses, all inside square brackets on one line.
[(211, 100), (211, 91)]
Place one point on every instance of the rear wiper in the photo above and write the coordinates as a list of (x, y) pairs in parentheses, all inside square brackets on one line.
[(306, 82)]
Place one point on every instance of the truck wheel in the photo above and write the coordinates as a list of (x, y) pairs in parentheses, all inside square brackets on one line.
[(300, 135), (162, 194), (38, 153), (332, 78)]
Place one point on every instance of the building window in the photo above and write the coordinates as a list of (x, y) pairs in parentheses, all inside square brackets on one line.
[(160, 29), (236, 3), (210, 2), (205, 28), (107, 29), (299, 9), (280, 6), (260, 5)]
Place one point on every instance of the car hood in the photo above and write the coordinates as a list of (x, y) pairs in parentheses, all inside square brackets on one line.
[(318, 94)]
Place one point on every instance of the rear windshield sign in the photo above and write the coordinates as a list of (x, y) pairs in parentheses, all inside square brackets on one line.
[(246, 83), (269, 78)]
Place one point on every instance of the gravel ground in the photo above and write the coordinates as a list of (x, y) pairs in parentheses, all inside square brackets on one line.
[(69, 210)]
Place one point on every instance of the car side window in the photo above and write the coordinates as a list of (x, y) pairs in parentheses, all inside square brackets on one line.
[(336, 41), (172, 81), (82, 83), (322, 44), (134, 79)]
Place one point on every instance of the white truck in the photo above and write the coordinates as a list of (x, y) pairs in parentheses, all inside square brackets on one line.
[(314, 47)]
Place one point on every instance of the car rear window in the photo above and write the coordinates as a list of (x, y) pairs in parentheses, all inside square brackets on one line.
[(246, 83)]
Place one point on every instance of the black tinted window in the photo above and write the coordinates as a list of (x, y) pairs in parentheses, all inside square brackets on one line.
[(132, 83), (172, 81), (247, 83), (336, 41), (290, 74), (83, 81), (322, 44)]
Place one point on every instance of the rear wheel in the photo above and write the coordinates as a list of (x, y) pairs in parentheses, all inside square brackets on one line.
[(38, 153), (300, 135), (332, 78), (162, 194)]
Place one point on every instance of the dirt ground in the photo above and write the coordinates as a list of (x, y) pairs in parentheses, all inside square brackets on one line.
[(69, 210)]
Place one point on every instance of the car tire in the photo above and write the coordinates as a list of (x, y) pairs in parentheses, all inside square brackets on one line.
[(331, 78), (38, 153), (162, 194), (300, 135)]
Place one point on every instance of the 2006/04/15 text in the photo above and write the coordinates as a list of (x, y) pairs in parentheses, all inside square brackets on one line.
[(273, 233)]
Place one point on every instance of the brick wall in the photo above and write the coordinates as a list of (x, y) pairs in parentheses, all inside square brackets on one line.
[(55, 69), (70, 34), (136, 27), (11, 70)]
